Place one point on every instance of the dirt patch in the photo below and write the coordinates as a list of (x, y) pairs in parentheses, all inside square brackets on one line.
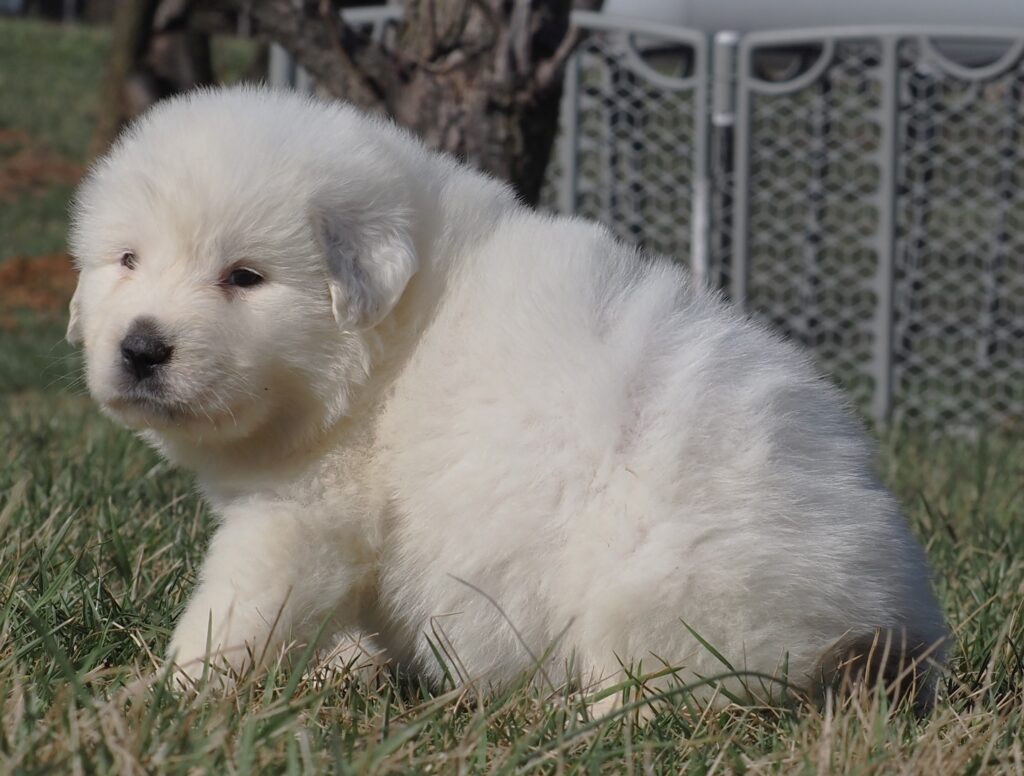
[(39, 284), (27, 166)]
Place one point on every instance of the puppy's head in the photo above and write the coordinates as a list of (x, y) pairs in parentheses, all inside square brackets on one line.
[(234, 248)]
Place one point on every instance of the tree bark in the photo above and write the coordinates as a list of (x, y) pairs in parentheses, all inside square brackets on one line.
[(481, 79)]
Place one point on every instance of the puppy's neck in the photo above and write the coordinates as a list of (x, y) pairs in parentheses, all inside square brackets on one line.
[(279, 456)]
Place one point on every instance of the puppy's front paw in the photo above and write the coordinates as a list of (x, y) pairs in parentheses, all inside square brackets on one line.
[(201, 674), (200, 658)]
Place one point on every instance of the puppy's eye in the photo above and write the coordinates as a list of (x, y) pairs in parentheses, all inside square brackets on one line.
[(128, 260), (243, 278)]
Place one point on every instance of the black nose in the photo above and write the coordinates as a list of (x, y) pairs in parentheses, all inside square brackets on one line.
[(144, 349)]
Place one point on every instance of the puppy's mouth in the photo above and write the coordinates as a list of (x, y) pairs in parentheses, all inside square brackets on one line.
[(137, 406), (169, 402), (145, 408)]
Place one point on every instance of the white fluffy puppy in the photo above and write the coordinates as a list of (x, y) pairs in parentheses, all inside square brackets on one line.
[(423, 410)]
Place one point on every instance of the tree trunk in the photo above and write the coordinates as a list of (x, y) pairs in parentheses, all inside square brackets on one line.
[(481, 79), (154, 53), (472, 89)]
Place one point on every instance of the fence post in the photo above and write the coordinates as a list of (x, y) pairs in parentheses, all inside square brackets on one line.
[(739, 269), (888, 116), (281, 67), (720, 150), (568, 143)]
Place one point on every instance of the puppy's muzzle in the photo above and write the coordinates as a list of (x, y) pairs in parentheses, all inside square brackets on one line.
[(144, 350)]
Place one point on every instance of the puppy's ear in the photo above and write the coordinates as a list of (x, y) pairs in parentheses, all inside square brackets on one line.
[(74, 333), (370, 259)]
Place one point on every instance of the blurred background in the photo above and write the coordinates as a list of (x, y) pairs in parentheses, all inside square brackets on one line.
[(851, 174)]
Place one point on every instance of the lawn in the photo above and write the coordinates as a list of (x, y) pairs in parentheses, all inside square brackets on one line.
[(101, 540)]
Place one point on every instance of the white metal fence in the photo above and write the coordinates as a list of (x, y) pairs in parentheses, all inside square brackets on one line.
[(862, 189)]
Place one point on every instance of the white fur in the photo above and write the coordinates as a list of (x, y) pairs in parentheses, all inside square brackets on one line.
[(446, 415)]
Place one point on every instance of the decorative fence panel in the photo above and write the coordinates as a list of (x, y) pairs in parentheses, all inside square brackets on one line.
[(880, 212), (633, 144)]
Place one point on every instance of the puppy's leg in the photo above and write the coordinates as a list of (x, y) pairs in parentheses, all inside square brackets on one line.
[(268, 578), (903, 667)]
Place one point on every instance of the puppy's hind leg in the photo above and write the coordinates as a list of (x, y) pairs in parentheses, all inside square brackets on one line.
[(886, 660)]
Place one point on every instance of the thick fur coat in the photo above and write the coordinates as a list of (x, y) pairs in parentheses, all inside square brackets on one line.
[(423, 411)]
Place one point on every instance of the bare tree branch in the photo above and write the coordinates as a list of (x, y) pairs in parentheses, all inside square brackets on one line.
[(519, 33), (342, 37), (552, 69), (324, 45)]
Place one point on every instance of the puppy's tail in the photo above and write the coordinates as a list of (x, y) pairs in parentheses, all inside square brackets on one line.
[(884, 660)]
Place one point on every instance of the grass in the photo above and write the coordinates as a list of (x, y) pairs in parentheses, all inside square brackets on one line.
[(100, 540), (100, 545)]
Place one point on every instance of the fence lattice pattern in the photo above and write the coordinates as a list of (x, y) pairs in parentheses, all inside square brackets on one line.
[(880, 221), (959, 274), (637, 131)]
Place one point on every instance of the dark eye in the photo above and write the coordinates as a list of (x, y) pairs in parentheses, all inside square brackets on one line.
[(243, 278), (128, 260)]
